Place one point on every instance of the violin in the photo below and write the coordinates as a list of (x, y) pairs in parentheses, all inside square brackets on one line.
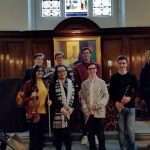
[(32, 109)]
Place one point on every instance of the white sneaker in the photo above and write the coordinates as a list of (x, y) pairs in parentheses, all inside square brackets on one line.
[(96, 140), (84, 140)]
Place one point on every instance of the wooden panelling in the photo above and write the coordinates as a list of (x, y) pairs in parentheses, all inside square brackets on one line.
[(44, 46), (1, 60), (134, 47), (137, 49), (111, 48), (13, 58), (17, 48)]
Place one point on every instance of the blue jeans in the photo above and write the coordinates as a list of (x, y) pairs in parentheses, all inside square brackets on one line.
[(126, 123)]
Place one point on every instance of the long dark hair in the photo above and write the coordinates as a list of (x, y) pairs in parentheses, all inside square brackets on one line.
[(34, 72)]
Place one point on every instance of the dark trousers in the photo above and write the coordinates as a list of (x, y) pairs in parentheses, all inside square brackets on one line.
[(83, 127), (96, 126), (62, 135), (147, 101), (3, 146), (36, 133)]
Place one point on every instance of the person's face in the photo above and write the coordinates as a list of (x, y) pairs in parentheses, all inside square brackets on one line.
[(38, 60), (61, 73), (148, 56), (122, 65), (86, 56), (39, 73), (59, 59), (92, 70)]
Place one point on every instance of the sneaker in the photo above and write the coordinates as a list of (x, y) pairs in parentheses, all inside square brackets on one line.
[(84, 140), (96, 140)]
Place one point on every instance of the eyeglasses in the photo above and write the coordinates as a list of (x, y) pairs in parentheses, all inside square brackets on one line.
[(59, 57), (91, 68), (40, 70), (39, 58), (61, 71)]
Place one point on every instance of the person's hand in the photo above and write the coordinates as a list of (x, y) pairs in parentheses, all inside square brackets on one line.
[(19, 98), (86, 115), (93, 107), (142, 102), (119, 106), (34, 94), (70, 111), (64, 112), (49, 102), (125, 100)]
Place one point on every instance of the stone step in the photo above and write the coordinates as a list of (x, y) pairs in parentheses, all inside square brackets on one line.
[(142, 140), (142, 136), (109, 135)]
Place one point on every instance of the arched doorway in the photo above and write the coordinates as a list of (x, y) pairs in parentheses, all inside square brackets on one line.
[(72, 34)]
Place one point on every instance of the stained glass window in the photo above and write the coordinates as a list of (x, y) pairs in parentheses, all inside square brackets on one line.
[(50, 8), (101, 7), (76, 8)]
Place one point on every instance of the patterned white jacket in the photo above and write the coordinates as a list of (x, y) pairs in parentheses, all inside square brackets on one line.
[(100, 97)]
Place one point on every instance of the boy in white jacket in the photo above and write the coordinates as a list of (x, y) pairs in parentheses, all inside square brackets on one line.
[(94, 97)]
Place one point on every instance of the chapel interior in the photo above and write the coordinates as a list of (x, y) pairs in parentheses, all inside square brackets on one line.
[(23, 32)]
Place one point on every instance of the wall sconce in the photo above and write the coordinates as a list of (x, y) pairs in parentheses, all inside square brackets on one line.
[(48, 63), (109, 63)]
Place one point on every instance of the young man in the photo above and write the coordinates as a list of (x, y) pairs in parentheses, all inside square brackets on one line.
[(80, 71), (80, 75), (123, 90), (59, 57), (38, 60), (94, 97)]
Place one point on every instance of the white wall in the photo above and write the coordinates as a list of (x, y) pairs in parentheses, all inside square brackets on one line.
[(13, 15), (137, 13)]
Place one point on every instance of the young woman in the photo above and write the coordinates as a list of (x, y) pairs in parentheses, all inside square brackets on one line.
[(35, 100), (63, 103)]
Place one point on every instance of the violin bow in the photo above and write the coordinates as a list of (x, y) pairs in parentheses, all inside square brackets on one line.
[(49, 118)]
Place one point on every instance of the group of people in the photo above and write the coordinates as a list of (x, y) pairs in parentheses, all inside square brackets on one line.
[(61, 90), (56, 94)]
